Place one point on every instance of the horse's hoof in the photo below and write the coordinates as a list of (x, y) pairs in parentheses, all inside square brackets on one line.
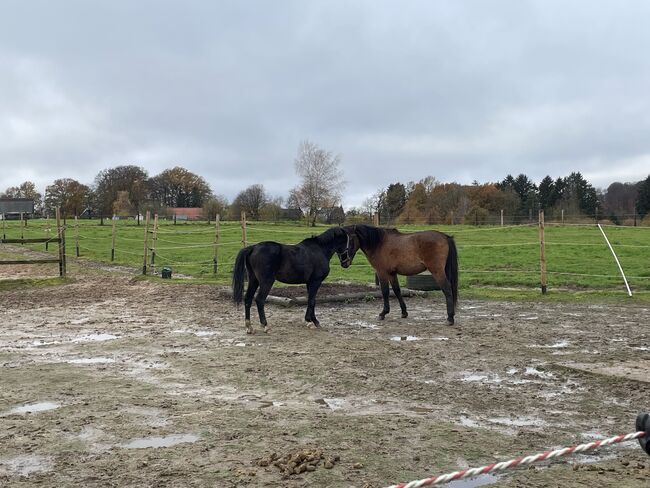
[(450, 322), (404, 315), (267, 330), (249, 328), (381, 317), (316, 324)]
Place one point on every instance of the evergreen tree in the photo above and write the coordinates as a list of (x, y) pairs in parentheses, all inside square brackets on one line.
[(643, 197)]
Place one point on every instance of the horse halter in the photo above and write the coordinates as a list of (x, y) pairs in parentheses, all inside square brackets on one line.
[(344, 257)]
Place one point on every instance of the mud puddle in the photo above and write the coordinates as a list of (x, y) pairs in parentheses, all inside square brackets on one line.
[(34, 408), (156, 442)]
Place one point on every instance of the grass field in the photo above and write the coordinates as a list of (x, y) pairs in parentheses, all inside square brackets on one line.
[(577, 256)]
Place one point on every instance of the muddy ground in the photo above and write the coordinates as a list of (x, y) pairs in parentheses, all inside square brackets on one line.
[(113, 381)]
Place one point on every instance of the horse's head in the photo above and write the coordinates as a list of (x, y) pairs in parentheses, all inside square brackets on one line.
[(351, 246), (342, 247)]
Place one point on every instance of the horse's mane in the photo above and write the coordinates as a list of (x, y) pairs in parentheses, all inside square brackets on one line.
[(370, 236), (326, 238)]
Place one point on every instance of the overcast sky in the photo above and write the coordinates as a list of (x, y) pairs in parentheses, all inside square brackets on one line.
[(460, 90)]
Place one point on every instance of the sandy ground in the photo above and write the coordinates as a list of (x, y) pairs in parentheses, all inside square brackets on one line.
[(114, 381)]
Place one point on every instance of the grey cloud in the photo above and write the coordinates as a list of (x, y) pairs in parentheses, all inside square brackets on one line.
[(459, 90)]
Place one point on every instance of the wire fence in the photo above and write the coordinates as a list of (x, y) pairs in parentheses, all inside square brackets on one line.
[(577, 256)]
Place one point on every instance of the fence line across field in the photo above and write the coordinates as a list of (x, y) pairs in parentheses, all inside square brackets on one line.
[(171, 242)]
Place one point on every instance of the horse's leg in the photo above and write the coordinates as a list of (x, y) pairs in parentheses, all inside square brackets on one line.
[(312, 289), (394, 281), (445, 286), (248, 301), (260, 299), (309, 312), (383, 283)]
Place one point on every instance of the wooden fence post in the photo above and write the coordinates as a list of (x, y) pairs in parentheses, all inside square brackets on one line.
[(4, 226), (562, 216), (146, 242), (22, 226), (501, 217), (243, 229), (375, 219), (153, 244), (76, 234), (542, 252), (216, 244), (60, 232), (113, 243)]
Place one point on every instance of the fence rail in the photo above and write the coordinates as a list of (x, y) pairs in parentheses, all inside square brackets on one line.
[(60, 240)]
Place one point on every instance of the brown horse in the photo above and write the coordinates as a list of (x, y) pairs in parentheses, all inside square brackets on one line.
[(391, 253)]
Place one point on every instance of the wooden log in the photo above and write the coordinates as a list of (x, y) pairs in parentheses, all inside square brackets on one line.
[(30, 261), (28, 241)]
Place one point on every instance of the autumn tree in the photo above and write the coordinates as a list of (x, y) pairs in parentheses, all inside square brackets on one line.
[(179, 187), (67, 194), (321, 179), (449, 203), (414, 210), (109, 182)]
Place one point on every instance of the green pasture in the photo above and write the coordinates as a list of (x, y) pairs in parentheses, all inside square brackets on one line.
[(577, 257)]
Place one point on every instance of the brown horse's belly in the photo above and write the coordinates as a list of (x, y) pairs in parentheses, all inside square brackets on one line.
[(410, 269)]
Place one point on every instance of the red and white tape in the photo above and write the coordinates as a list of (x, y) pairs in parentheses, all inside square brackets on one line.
[(520, 461)]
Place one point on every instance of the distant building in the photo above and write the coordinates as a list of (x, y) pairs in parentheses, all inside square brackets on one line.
[(191, 213), (12, 208), (291, 214)]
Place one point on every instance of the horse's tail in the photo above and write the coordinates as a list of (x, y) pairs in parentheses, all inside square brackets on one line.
[(238, 275), (451, 267)]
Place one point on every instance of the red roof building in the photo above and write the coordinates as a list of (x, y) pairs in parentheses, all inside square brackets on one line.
[(192, 213)]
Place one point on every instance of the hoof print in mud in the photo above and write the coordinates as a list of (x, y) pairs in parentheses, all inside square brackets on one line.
[(299, 461)]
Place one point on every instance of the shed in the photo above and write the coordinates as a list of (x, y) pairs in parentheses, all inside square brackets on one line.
[(12, 208)]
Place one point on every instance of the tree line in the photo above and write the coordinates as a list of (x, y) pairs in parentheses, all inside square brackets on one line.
[(128, 190), (519, 198)]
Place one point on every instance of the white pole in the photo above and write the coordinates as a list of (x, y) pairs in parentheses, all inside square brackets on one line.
[(629, 292)]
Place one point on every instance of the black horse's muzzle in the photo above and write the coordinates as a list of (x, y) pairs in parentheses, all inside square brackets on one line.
[(344, 257)]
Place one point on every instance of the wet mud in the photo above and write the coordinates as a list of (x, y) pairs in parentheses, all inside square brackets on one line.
[(114, 381)]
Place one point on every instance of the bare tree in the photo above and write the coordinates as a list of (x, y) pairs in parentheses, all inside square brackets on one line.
[(322, 180)]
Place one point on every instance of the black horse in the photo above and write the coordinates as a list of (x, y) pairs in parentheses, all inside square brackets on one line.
[(306, 262)]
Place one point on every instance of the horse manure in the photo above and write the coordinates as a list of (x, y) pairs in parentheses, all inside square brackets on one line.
[(299, 461)]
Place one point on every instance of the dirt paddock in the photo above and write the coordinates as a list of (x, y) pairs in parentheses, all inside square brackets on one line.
[(113, 381)]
